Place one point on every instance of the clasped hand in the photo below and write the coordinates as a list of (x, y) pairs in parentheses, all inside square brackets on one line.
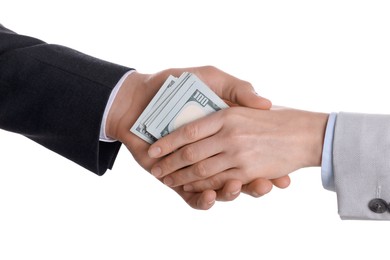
[(239, 143), (216, 157)]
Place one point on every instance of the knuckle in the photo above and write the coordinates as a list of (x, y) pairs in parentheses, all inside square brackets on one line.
[(190, 132), (200, 170), (247, 85), (215, 183), (209, 67), (188, 154), (166, 145), (166, 165), (226, 115)]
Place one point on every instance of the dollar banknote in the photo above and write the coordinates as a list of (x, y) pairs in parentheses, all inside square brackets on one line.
[(178, 102)]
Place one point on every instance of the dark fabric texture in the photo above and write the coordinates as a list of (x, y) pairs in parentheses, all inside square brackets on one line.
[(56, 96)]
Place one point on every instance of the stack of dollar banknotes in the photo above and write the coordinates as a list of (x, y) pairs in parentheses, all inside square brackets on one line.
[(179, 101)]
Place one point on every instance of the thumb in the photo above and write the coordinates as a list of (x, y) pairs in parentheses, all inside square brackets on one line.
[(246, 96), (233, 90)]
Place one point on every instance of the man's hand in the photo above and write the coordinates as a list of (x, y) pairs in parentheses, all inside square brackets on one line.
[(135, 94), (239, 143)]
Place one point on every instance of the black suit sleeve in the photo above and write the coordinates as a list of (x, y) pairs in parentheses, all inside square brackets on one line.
[(56, 96)]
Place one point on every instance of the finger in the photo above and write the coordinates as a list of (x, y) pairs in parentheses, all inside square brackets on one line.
[(186, 134), (215, 182), (192, 154), (257, 188), (199, 171), (203, 201), (230, 191), (282, 182)]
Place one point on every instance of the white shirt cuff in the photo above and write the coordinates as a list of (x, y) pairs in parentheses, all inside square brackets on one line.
[(103, 137), (327, 174)]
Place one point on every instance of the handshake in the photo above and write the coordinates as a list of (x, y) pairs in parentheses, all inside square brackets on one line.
[(211, 145)]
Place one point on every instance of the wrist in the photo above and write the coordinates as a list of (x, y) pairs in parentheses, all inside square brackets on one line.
[(126, 106), (315, 132)]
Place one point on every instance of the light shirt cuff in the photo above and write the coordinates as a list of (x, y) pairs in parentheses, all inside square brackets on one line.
[(103, 137), (327, 175)]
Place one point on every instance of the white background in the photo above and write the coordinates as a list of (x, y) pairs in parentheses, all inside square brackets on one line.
[(314, 55)]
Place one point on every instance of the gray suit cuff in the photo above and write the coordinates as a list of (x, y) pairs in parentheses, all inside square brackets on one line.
[(361, 149)]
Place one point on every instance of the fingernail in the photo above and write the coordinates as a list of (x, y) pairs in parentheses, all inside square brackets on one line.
[(255, 194), (168, 181), (154, 152), (235, 192), (188, 187), (211, 202), (156, 171)]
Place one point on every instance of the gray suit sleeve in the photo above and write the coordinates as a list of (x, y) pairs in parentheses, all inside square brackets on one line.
[(361, 152)]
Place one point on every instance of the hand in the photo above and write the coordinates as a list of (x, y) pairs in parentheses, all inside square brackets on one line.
[(136, 92), (239, 143)]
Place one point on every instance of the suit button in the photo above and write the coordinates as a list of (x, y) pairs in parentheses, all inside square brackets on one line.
[(378, 205)]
